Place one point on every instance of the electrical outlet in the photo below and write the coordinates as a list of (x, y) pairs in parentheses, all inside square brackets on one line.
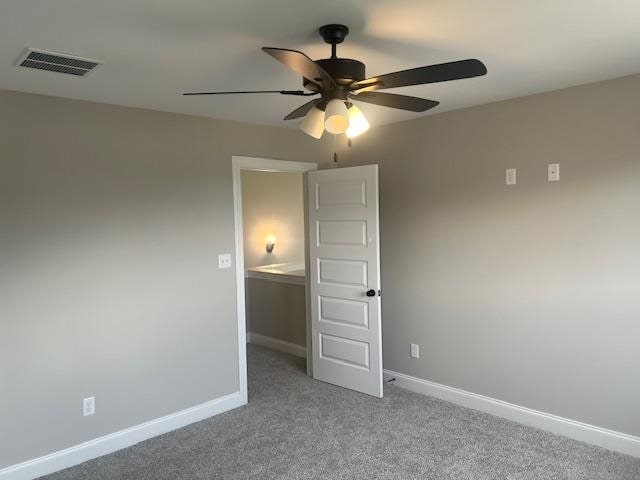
[(415, 351), (553, 172), (224, 260), (89, 406), (510, 176)]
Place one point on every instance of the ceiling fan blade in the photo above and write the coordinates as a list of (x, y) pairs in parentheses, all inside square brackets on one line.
[(392, 100), (442, 72), (299, 93), (301, 64), (303, 110)]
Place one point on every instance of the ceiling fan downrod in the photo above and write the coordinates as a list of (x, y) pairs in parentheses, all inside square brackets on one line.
[(334, 34)]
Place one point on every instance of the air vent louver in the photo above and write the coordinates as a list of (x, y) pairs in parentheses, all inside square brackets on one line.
[(57, 62)]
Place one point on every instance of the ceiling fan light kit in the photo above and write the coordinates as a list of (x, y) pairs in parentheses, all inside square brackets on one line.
[(336, 117), (358, 124), (341, 81), (313, 123)]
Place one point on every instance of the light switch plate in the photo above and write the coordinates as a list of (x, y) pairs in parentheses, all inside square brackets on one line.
[(224, 260), (554, 172), (510, 176)]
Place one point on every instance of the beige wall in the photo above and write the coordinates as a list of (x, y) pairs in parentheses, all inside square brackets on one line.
[(276, 310), (272, 205), (111, 220), (528, 293)]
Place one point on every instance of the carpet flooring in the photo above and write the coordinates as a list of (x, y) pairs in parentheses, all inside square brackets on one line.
[(297, 428)]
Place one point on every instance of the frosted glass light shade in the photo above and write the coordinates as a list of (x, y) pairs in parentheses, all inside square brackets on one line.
[(313, 123), (336, 117), (357, 122)]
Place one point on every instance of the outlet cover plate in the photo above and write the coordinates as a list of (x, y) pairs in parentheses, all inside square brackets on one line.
[(88, 406)]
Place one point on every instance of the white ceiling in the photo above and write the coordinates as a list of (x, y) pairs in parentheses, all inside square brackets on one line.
[(154, 49)]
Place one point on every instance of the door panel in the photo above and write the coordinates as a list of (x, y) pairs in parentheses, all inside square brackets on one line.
[(341, 193), (342, 272), (345, 351), (341, 311), (342, 233), (344, 260)]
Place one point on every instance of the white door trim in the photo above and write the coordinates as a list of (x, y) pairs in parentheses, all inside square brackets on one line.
[(263, 165)]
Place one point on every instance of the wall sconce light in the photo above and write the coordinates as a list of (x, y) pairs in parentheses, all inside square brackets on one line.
[(271, 242)]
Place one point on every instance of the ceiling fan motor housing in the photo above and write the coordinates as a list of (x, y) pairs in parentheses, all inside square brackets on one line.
[(343, 70)]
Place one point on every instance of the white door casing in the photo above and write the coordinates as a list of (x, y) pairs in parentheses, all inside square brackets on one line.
[(344, 260)]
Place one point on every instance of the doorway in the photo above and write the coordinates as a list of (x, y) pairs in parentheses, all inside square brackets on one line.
[(342, 304), (282, 261)]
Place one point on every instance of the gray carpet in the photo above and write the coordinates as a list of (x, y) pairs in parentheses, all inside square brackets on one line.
[(296, 428)]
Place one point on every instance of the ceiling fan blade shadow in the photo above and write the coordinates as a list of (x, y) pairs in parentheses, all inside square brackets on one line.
[(301, 64), (303, 110), (442, 72), (392, 100)]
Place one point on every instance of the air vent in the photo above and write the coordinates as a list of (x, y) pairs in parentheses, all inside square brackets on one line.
[(57, 62)]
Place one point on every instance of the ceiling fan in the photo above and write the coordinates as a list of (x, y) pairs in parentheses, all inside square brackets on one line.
[(339, 81)]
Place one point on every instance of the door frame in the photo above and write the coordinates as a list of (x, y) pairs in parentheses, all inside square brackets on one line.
[(238, 164)]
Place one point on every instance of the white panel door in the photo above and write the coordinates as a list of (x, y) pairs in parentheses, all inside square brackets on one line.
[(344, 259)]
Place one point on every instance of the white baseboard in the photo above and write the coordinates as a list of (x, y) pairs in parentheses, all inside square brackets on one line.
[(275, 344), (602, 437), (115, 441)]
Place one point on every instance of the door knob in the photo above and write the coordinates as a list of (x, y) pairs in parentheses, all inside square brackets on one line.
[(371, 293)]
